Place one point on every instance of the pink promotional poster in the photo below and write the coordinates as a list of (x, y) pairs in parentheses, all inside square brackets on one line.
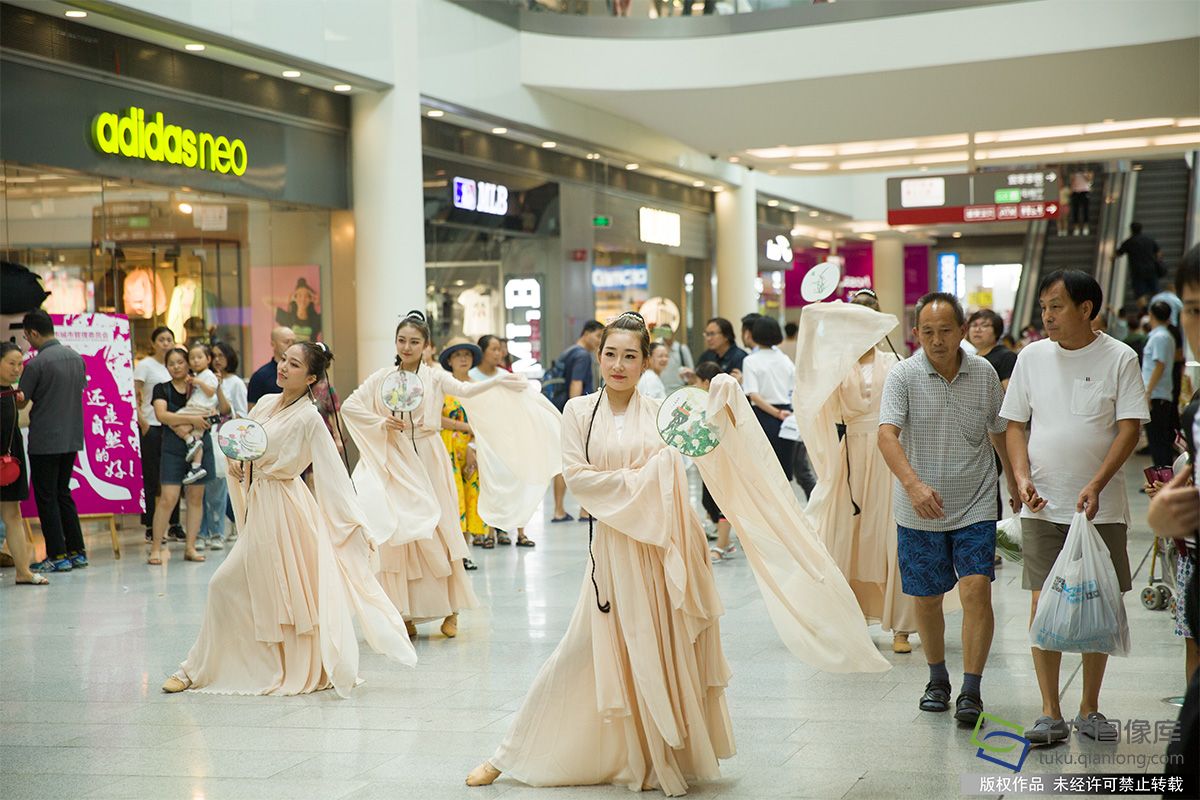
[(108, 471)]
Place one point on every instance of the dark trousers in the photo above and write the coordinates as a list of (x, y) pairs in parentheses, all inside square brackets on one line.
[(151, 461), (1080, 206), (802, 468), (783, 447), (1160, 430), (51, 478)]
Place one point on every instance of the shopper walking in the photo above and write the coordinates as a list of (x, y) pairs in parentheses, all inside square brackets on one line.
[(458, 358), (1081, 396), (939, 409), (12, 450), (768, 377), (263, 381), (148, 373), (1158, 361), (279, 615), (53, 381)]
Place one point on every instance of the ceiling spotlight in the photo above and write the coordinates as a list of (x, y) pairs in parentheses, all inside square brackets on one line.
[(291, 73), (194, 47), (499, 131), (957, 234), (76, 14), (435, 113), (734, 159), (794, 208), (697, 184), (632, 166), (718, 188), (772, 203), (342, 87), (185, 208), (549, 145), (814, 213), (593, 156)]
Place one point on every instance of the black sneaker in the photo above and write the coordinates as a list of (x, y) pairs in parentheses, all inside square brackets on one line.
[(149, 535), (176, 533)]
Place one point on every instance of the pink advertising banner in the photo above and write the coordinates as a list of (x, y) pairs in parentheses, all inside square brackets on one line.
[(283, 295), (108, 471)]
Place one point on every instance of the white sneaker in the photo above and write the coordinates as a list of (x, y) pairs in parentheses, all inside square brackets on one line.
[(231, 537), (201, 544), (216, 544), (194, 475)]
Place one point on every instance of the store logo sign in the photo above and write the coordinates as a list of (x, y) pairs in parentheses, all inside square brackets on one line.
[(779, 249), (130, 135), (617, 278), (659, 227), (481, 196)]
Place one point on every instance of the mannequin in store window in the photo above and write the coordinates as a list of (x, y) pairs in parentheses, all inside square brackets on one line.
[(301, 315)]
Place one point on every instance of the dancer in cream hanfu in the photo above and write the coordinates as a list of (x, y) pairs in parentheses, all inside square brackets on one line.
[(406, 471), (840, 370), (634, 694), (279, 617)]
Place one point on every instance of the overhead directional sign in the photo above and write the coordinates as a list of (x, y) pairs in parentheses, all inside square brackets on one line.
[(979, 197)]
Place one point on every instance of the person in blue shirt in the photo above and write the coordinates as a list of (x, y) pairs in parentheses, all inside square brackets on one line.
[(1158, 361), (577, 363), (264, 379)]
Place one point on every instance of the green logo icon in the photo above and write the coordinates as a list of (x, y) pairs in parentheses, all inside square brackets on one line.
[(992, 747)]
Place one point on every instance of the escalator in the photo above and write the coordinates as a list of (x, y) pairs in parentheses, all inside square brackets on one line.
[(1152, 192)]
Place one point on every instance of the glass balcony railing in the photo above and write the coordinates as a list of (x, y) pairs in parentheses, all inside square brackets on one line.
[(696, 17)]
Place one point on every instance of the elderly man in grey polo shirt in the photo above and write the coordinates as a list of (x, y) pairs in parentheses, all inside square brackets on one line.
[(938, 410), (53, 382)]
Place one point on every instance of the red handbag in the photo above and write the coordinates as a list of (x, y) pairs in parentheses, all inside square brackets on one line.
[(10, 468)]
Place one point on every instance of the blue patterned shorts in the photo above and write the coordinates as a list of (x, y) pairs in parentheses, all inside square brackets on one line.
[(931, 562)]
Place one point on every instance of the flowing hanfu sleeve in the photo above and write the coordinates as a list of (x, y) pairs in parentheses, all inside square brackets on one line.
[(347, 586), (637, 501), (809, 601), (518, 444), (393, 517)]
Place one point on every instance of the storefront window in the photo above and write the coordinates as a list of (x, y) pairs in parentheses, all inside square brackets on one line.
[(207, 266)]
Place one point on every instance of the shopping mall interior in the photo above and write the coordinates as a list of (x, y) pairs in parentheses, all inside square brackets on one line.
[(514, 169)]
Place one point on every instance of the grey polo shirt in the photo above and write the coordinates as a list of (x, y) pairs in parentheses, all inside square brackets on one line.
[(944, 427), (53, 381)]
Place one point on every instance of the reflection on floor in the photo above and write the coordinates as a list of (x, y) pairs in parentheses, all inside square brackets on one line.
[(82, 715)]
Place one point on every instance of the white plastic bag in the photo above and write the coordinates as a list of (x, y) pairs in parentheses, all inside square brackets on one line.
[(1080, 609)]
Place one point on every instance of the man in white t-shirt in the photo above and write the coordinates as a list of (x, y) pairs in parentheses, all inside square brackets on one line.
[(1082, 395)]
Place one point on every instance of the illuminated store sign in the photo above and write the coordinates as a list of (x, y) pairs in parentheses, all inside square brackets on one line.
[(659, 227), (132, 136), (481, 196), (779, 248), (618, 278)]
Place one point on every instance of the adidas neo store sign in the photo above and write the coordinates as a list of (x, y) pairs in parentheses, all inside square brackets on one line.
[(136, 134)]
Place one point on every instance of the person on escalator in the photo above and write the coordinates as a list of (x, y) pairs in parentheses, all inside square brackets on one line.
[(1145, 262), (1081, 193)]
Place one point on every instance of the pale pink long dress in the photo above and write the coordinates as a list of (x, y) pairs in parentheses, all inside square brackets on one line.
[(833, 387), (278, 618), (414, 501), (636, 696)]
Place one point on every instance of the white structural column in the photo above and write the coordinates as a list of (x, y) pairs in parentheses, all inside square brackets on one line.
[(388, 207), (887, 256), (737, 256)]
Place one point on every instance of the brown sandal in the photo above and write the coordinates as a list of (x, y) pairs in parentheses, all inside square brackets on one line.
[(194, 557)]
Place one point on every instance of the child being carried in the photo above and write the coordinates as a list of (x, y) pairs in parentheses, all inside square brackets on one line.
[(202, 402)]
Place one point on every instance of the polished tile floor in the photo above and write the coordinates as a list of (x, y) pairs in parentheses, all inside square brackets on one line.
[(81, 714)]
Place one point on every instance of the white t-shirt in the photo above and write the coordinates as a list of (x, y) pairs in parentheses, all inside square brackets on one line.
[(234, 389), (769, 374), (151, 372), (651, 385), (198, 400), (1075, 398)]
